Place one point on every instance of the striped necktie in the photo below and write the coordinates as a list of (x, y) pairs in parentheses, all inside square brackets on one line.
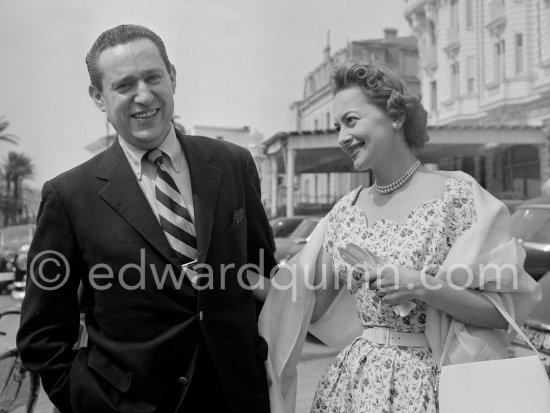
[(174, 216)]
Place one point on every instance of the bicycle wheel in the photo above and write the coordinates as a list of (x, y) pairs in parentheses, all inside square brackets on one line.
[(18, 387)]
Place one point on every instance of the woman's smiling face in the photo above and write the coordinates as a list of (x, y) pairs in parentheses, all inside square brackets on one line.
[(365, 132)]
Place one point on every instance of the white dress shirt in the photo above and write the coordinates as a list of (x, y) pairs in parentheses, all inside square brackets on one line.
[(146, 172)]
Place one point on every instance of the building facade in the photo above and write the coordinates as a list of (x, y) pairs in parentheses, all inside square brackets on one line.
[(245, 137), (483, 63), (315, 190), (313, 111), (242, 136)]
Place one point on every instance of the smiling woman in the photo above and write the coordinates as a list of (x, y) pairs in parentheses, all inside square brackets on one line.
[(374, 99), (418, 224)]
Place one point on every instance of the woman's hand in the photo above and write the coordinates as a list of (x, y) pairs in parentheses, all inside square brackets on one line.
[(395, 285)]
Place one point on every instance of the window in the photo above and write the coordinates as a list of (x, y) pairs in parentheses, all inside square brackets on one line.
[(433, 95), (520, 166), (409, 64), (496, 10), (454, 79), (499, 60), (454, 15), (519, 53), (312, 85), (470, 73), (469, 14)]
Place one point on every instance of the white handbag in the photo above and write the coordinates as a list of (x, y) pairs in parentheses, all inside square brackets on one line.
[(513, 385)]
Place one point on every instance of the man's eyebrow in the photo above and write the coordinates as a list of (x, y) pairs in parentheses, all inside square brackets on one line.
[(123, 79), (132, 77), (149, 71)]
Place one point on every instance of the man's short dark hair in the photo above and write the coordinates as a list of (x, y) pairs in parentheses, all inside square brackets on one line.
[(125, 33)]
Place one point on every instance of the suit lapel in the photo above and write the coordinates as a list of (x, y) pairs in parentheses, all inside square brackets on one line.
[(205, 183), (124, 194)]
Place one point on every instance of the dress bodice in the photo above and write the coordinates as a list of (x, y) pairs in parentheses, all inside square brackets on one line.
[(421, 242)]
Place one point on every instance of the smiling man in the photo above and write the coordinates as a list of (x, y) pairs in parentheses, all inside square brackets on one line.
[(155, 230)]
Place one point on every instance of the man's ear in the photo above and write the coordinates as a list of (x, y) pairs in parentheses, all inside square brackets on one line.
[(97, 97), (173, 78)]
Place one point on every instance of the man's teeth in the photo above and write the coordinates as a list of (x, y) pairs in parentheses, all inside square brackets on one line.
[(145, 115)]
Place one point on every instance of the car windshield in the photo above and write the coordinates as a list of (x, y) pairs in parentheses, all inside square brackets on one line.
[(305, 229), (532, 225), (283, 227)]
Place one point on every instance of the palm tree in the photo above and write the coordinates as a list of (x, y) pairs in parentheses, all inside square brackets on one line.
[(8, 137), (17, 167)]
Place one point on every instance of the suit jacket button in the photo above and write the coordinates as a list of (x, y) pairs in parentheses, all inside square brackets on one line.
[(183, 381), (201, 315)]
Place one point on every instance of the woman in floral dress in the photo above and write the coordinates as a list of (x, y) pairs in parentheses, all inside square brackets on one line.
[(410, 218)]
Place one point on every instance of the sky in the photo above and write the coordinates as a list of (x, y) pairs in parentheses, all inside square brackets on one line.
[(238, 62)]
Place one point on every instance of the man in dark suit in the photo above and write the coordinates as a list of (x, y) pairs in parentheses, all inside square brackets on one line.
[(159, 230)]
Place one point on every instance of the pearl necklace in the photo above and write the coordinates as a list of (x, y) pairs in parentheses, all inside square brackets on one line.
[(386, 189)]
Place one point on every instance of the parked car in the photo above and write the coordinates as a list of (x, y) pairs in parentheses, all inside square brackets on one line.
[(531, 226), (14, 244), (285, 248), (512, 204), (282, 227), (536, 328)]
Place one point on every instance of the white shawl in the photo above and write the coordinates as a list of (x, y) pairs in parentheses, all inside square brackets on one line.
[(286, 315)]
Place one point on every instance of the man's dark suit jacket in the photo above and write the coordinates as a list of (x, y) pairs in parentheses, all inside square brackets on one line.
[(143, 340)]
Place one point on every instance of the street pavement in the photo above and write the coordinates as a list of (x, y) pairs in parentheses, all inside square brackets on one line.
[(315, 359), (43, 405)]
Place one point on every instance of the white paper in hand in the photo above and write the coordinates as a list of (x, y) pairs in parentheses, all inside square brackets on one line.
[(360, 258)]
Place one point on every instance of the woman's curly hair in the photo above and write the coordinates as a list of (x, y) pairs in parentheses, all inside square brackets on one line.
[(386, 90)]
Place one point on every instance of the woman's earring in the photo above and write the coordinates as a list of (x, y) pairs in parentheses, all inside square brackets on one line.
[(394, 125)]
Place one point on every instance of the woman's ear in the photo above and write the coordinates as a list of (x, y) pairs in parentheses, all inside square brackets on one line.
[(398, 123)]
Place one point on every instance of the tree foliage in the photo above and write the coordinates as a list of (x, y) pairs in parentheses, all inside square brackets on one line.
[(17, 167), (7, 137)]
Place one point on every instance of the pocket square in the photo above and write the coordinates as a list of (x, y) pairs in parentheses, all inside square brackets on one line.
[(238, 216)]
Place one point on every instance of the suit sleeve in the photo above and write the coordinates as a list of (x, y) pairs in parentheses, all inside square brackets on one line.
[(261, 246), (50, 312)]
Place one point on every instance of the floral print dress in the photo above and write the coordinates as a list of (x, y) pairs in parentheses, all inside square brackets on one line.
[(366, 377)]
